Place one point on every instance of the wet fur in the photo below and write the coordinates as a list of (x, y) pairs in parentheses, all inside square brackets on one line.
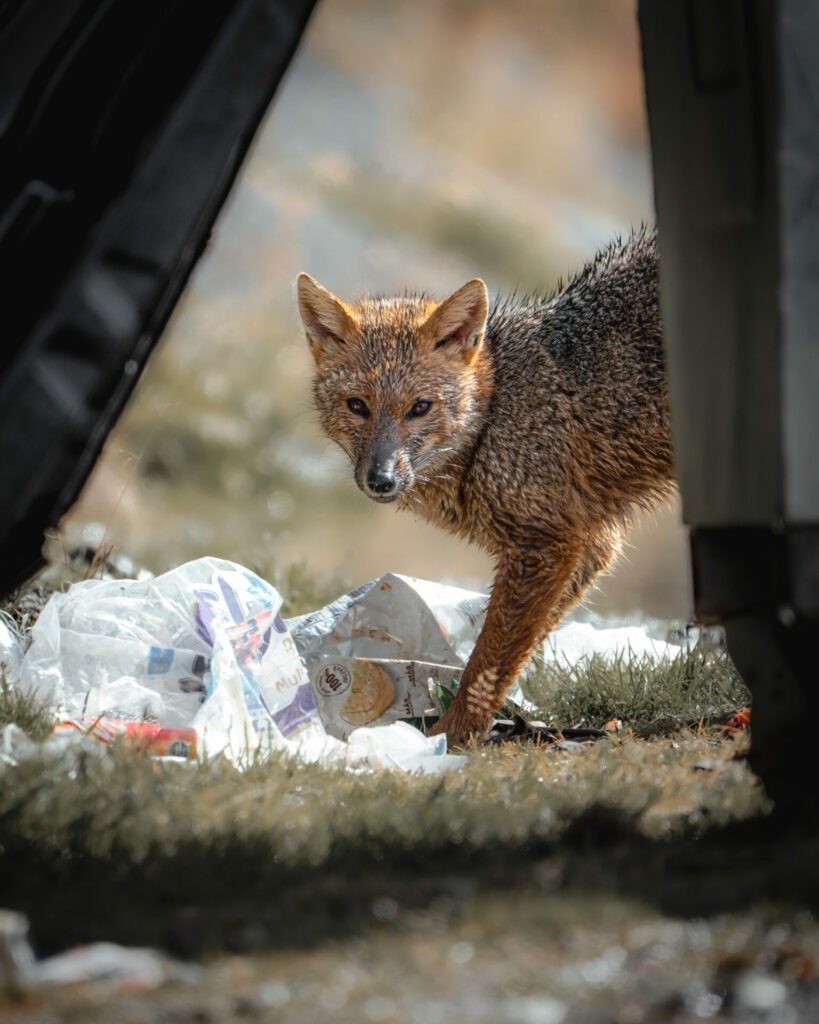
[(543, 438)]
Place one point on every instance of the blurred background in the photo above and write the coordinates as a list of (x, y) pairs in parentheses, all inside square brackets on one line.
[(411, 144)]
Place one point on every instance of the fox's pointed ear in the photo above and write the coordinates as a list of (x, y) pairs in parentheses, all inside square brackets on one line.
[(456, 325), (327, 321)]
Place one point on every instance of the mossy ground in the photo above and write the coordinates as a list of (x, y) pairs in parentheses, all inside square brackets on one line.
[(119, 833), (494, 886), (698, 687)]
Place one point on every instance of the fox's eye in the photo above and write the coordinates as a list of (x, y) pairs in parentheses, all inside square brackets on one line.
[(358, 407), (421, 408)]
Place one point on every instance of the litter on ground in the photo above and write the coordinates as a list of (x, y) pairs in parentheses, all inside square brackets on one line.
[(120, 966), (199, 662)]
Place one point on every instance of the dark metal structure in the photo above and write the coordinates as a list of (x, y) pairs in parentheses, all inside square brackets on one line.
[(732, 88), (122, 128)]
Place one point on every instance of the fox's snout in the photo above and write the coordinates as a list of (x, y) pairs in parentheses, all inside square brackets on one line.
[(384, 475), (379, 483)]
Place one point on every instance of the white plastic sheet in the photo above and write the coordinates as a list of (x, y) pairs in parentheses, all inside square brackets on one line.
[(577, 640), (204, 646), (117, 966), (387, 650), (10, 654)]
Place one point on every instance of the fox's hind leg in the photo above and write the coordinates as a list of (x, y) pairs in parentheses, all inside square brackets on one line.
[(599, 556)]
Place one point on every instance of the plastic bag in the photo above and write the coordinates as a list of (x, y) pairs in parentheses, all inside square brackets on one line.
[(204, 645), (10, 655), (392, 649)]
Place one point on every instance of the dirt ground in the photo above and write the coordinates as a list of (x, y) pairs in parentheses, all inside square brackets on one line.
[(612, 918), (596, 931)]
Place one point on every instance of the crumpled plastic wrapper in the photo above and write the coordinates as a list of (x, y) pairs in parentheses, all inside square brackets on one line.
[(203, 646), (392, 649), (10, 653), (116, 966), (576, 640)]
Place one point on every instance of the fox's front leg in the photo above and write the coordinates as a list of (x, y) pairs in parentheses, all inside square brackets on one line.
[(524, 606)]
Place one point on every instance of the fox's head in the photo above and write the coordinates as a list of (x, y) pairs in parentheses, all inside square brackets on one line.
[(397, 383)]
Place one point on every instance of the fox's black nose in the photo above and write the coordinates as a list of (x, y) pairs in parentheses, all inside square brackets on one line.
[(380, 483)]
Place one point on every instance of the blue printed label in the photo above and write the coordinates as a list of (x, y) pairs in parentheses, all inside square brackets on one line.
[(160, 660)]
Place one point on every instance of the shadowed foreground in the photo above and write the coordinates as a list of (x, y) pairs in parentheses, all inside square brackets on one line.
[(630, 880)]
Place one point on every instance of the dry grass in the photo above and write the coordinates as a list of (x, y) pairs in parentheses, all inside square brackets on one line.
[(699, 685), (94, 843), (98, 843)]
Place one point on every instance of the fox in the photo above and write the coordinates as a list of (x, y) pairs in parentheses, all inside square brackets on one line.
[(535, 429)]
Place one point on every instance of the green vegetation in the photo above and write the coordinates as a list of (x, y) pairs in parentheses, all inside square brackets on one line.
[(507, 882), (302, 590), (651, 697), (24, 711), (114, 833)]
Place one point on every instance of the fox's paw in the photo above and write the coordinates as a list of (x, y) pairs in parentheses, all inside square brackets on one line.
[(462, 723), (460, 726), (470, 714)]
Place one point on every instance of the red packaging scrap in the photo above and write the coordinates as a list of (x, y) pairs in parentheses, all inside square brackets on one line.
[(736, 723), (156, 740)]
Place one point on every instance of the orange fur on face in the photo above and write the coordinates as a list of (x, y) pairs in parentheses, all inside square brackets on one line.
[(391, 354), (545, 424)]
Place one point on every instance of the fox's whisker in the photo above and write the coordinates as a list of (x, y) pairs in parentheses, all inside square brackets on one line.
[(429, 456)]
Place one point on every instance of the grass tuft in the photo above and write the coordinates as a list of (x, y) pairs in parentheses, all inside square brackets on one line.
[(301, 589), (24, 711), (100, 843), (699, 685), (114, 833)]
